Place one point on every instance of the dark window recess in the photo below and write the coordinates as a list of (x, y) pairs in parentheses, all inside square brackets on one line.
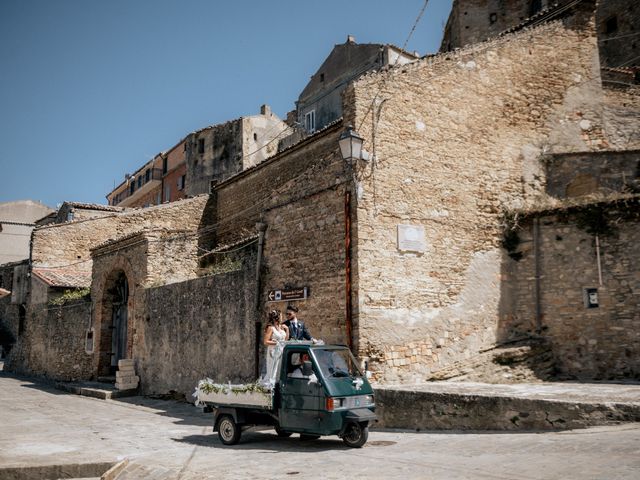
[(611, 25), (536, 6), (201, 145), (255, 137), (212, 185), (322, 77), (132, 187), (165, 165), (493, 17), (147, 175), (22, 315)]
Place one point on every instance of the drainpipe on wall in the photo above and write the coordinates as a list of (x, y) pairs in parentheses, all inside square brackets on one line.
[(536, 259), (347, 262), (261, 227)]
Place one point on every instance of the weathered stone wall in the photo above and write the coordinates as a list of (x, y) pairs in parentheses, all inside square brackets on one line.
[(200, 328), (79, 237), (473, 21), (457, 139), (579, 174), (300, 197), (620, 114), (602, 342), (219, 157), (617, 22), (53, 343)]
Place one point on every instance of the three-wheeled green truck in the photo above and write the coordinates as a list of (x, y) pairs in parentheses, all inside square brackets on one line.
[(319, 391)]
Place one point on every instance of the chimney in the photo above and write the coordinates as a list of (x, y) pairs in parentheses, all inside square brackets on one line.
[(351, 39), (265, 109)]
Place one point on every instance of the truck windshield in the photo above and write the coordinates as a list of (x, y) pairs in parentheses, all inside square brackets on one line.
[(337, 363)]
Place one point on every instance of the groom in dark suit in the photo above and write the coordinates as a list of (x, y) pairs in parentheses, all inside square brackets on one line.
[(297, 329)]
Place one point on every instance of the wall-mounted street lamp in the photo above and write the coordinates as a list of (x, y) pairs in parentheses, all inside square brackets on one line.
[(350, 144)]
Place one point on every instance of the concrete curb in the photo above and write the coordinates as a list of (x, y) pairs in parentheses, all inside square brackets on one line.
[(413, 410), (73, 470)]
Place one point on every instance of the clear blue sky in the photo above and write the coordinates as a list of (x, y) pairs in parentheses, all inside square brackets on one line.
[(92, 89)]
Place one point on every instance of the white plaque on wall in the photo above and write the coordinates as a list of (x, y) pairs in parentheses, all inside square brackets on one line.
[(411, 238)]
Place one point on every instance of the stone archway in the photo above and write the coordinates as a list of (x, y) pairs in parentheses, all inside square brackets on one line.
[(114, 326)]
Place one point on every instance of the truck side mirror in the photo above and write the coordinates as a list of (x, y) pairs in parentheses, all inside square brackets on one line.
[(307, 369)]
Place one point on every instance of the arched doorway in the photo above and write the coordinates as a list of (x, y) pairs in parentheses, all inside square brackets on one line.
[(114, 323)]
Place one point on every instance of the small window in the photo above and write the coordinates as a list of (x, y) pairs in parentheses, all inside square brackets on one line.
[(255, 137), (493, 18), (147, 175), (70, 216), (22, 316), (139, 181), (611, 25), (322, 77), (165, 165), (181, 181), (310, 121), (167, 193), (132, 187), (201, 145)]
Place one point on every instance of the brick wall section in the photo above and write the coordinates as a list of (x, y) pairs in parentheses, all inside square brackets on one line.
[(53, 343), (600, 343), (200, 328), (458, 138), (578, 174), (79, 237)]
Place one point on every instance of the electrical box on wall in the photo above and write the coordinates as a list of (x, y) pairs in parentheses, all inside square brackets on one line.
[(591, 298)]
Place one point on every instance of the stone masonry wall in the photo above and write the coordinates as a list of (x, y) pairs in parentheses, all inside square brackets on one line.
[(595, 343), (200, 328), (53, 343), (300, 197), (79, 237), (579, 174), (457, 140)]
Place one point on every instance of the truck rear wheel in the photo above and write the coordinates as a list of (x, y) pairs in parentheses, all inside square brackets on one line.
[(228, 430), (356, 434)]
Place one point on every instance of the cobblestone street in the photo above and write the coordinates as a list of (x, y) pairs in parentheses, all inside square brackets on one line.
[(164, 439)]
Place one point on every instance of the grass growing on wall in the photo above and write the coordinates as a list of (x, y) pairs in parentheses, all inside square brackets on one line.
[(70, 295)]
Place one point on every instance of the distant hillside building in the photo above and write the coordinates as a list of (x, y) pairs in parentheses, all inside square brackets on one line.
[(208, 155), (320, 103), (17, 219)]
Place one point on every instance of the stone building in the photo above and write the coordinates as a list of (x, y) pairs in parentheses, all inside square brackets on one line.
[(216, 153), (17, 219), (473, 21), (486, 179), (320, 102), (208, 155)]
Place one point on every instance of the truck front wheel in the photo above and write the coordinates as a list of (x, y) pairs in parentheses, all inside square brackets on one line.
[(228, 430), (356, 434)]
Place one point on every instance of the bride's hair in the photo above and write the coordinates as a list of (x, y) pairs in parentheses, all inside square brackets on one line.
[(273, 318)]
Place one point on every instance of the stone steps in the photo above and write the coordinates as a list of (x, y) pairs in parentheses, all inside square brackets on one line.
[(104, 391)]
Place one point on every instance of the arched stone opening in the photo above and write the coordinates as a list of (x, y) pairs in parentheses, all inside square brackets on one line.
[(115, 313)]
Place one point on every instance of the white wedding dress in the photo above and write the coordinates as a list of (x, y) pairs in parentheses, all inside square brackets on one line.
[(274, 355)]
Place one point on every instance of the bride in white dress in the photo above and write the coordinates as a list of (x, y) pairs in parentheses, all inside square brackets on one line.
[(275, 335)]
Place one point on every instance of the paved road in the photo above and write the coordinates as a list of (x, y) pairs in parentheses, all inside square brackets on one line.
[(42, 426)]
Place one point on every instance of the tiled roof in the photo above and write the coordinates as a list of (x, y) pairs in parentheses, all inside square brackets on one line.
[(64, 277)]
